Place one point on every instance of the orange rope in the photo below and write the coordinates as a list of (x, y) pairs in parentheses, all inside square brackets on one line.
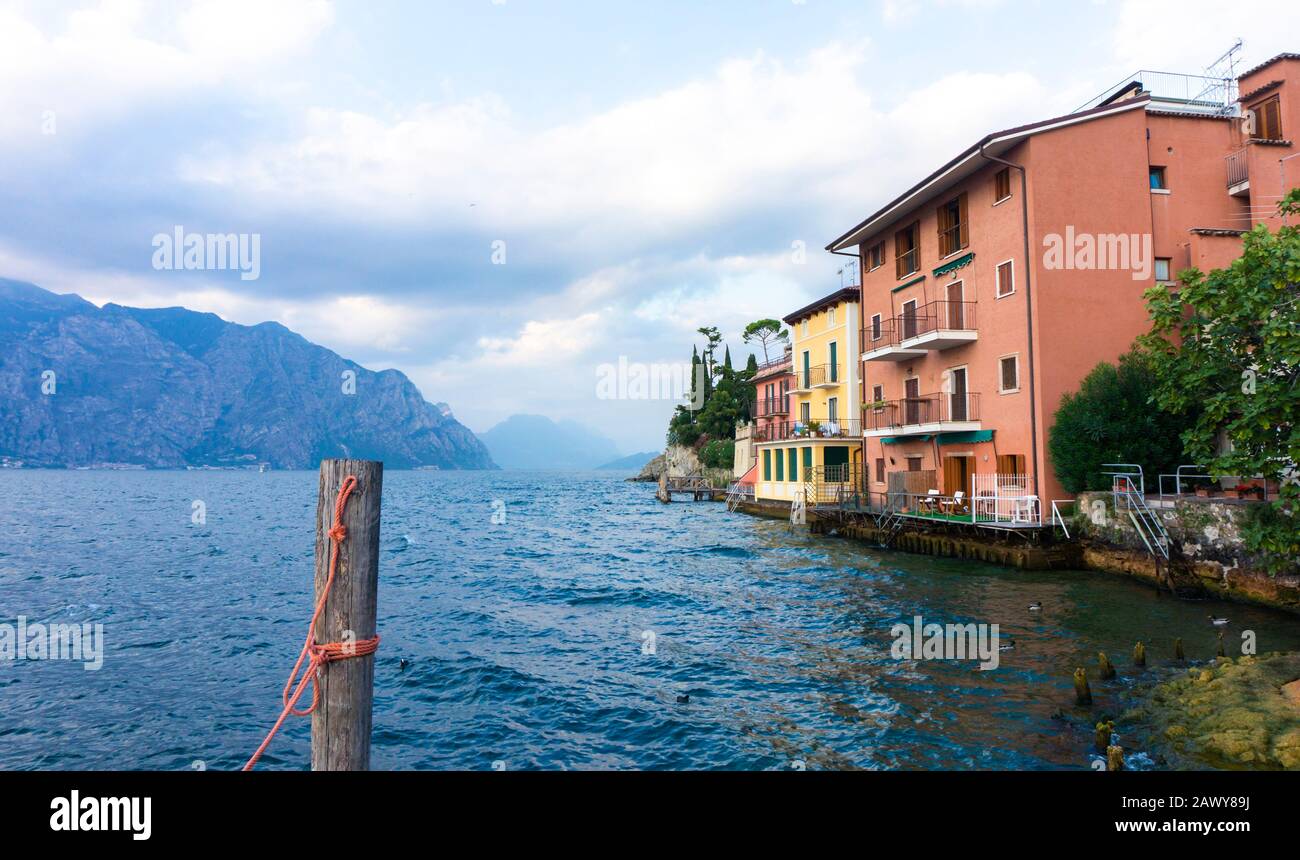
[(328, 652)]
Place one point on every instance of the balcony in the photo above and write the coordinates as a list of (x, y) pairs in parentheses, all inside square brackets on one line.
[(824, 428), (1238, 165), (935, 326), (770, 406), (927, 413), (881, 343), (818, 376)]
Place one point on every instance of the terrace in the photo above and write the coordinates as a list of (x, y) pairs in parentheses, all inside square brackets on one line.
[(826, 428)]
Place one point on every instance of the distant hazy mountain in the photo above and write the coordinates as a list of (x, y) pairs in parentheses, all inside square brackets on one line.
[(537, 442), (172, 387), (630, 463)]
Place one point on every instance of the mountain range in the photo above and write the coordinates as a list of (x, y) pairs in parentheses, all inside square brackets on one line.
[(82, 385), (537, 442)]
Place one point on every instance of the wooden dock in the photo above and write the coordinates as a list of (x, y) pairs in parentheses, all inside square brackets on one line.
[(696, 486)]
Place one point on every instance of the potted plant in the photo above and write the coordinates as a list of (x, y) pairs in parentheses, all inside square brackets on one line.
[(815, 427)]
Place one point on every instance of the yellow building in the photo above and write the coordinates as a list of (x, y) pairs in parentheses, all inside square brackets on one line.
[(814, 453)]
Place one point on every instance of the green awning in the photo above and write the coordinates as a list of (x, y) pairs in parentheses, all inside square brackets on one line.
[(956, 264), (899, 440), (910, 283), (966, 437)]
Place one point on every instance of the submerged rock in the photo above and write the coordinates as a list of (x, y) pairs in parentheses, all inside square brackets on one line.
[(1236, 714)]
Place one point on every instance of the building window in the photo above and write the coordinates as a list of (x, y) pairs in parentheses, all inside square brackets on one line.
[(1009, 378), (792, 454), (875, 326), (1268, 119), (1002, 185), (880, 470), (780, 465), (767, 465), (805, 413), (831, 318), (954, 231), (1011, 464), (1006, 279), (807, 461), (907, 250), (1158, 179), (878, 396), (803, 328), (913, 462), (1162, 269), (876, 256), (833, 409), (835, 361)]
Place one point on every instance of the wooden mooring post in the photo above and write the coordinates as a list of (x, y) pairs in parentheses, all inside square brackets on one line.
[(340, 727)]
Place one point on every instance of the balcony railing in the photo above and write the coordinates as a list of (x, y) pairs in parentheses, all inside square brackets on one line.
[(1238, 167), (821, 374), (927, 409), (939, 316), (825, 428), (769, 406)]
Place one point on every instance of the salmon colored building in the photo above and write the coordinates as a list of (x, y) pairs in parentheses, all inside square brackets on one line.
[(995, 284)]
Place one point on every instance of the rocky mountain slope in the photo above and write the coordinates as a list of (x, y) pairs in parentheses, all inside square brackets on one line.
[(165, 388)]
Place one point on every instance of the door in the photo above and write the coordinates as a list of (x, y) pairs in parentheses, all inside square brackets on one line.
[(909, 319), (912, 401), (956, 310), (957, 473), (807, 371), (835, 367), (957, 410)]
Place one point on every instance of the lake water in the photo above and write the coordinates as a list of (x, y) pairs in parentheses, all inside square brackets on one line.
[(525, 639)]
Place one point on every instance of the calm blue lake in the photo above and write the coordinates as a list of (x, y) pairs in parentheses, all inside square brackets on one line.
[(525, 639)]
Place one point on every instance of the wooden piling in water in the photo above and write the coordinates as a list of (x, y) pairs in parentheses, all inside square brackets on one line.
[(1114, 758), (1139, 654), (1178, 650), (1105, 669), (1082, 693), (340, 726), (1104, 731)]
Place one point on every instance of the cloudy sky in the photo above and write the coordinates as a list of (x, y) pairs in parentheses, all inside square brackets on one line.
[(498, 197)]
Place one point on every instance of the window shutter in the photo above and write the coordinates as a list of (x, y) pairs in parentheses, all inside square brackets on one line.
[(1009, 381), (965, 222)]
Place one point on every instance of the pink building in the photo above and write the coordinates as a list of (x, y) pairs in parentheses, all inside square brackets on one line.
[(772, 384), (995, 284)]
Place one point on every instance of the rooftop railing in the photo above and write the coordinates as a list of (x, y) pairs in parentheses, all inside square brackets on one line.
[(1195, 93)]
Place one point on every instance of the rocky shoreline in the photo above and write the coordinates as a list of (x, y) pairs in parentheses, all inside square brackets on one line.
[(1235, 714)]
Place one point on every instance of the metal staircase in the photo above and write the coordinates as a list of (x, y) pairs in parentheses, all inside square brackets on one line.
[(1130, 497)]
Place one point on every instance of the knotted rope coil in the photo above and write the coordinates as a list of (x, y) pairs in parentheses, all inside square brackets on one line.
[(317, 655)]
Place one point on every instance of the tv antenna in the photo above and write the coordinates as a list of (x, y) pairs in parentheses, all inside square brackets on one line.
[(1223, 88)]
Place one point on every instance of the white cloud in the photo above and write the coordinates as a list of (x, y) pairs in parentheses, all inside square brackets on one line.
[(97, 62), (1187, 35)]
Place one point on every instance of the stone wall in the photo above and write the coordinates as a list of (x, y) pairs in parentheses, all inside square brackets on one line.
[(1206, 535)]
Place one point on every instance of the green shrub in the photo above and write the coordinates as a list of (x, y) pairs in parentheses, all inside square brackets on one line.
[(1111, 419), (719, 454)]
